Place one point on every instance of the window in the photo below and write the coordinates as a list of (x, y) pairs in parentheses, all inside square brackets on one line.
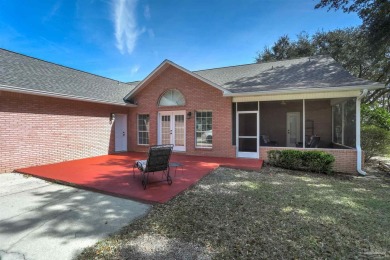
[(204, 129), (344, 123), (172, 97), (143, 129)]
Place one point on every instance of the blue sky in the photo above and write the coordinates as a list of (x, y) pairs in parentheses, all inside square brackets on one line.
[(126, 39)]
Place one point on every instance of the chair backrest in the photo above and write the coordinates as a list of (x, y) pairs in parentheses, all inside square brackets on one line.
[(264, 139), (315, 141), (158, 158)]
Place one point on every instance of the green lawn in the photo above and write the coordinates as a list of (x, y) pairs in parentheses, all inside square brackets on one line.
[(272, 214)]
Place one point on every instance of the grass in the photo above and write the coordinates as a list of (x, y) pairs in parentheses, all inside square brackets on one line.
[(277, 213)]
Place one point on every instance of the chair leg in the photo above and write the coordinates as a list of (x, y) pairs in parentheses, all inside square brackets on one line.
[(169, 179), (145, 178)]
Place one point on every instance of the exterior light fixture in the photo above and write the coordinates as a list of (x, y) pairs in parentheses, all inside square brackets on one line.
[(112, 117), (189, 114)]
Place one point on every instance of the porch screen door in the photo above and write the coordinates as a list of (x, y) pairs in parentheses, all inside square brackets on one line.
[(171, 129), (247, 134)]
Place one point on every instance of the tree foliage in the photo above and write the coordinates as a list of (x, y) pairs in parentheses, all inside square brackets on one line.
[(375, 15), (375, 141), (375, 115)]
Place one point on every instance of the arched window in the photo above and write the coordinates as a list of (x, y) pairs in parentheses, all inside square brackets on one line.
[(172, 97)]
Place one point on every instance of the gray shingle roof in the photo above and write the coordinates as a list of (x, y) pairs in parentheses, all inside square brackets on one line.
[(23, 73), (26, 73), (295, 74)]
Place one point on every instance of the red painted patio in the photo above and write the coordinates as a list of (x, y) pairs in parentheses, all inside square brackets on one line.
[(112, 174)]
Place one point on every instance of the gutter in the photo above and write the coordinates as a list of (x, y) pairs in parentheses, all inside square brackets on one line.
[(62, 96), (302, 90), (358, 147)]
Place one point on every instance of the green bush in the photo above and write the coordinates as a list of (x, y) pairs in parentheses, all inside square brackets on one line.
[(315, 161), (318, 161), (291, 159), (273, 157), (375, 141)]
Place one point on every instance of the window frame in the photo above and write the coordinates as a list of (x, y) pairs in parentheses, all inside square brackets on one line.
[(142, 131), (342, 104), (171, 91), (196, 131)]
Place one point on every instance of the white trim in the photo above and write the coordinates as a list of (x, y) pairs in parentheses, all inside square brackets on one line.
[(62, 96), (358, 145), (298, 125), (248, 154), (332, 123), (162, 66), (297, 96), (172, 122), (304, 123), (203, 147), (120, 145), (342, 121), (138, 132), (305, 90)]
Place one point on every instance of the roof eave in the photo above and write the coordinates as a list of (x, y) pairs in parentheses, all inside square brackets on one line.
[(305, 90), (62, 96), (160, 67)]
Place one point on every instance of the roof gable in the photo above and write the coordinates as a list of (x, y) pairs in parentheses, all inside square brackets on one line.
[(163, 66)]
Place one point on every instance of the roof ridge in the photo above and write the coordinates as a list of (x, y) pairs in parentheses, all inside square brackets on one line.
[(248, 64), (66, 67)]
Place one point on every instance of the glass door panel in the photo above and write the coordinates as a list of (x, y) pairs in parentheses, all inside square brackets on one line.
[(166, 129), (179, 130), (172, 129), (247, 145)]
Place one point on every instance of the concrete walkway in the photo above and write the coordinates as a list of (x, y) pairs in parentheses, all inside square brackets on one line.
[(42, 220)]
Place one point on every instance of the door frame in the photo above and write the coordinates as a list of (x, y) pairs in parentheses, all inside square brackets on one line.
[(247, 154), (172, 115), (120, 121), (298, 114)]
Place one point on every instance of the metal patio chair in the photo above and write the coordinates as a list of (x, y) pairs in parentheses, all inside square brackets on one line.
[(158, 160)]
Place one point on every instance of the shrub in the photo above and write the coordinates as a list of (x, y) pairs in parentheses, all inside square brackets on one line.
[(291, 159), (318, 161), (375, 141), (315, 161), (273, 157)]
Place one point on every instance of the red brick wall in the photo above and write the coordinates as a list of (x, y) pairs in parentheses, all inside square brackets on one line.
[(198, 96), (345, 158), (38, 130)]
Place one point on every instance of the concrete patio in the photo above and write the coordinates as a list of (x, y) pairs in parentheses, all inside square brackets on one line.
[(43, 220)]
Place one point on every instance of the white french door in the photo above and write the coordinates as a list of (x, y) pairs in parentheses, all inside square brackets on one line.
[(247, 134), (172, 129)]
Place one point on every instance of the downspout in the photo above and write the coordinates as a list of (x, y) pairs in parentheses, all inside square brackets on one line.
[(358, 147)]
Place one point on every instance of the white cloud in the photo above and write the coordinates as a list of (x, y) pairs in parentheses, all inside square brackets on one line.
[(126, 31), (53, 11), (134, 69), (147, 12)]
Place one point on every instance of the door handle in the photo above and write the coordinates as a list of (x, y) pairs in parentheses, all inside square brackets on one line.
[(124, 133)]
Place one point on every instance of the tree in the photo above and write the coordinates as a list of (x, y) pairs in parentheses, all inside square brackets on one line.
[(374, 14)]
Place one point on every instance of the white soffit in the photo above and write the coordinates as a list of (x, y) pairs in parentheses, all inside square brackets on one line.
[(297, 96)]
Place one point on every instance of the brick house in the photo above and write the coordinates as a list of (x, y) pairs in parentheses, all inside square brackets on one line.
[(51, 113)]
